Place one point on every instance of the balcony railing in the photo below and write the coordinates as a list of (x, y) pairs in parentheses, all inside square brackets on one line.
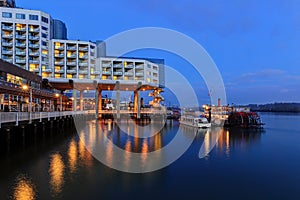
[(118, 65), (106, 72), (139, 66), (83, 72), (72, 48), (71, 63), (20, 61), (20, 29), (59, 55), (7, 36), (95, 72), (20, 53), (7, 44), (59, 47), (83, 48), (35, 46), (83, 64), (72, 56), (33, 38), (34, 61), (60, 71), (83, 57), (71, 71), (128, 73), (34, 53), (10, 60), (118, 73), (34, 29), (106, 65), (139, 74), (9, 52), (21, 37), (47, 70), (7, 28), (59, 63), (20, 45), (130, 66)]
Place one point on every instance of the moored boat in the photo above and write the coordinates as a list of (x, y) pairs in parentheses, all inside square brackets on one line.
[(198, 122)]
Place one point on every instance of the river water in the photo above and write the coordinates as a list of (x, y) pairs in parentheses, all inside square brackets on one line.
[(242, 164)]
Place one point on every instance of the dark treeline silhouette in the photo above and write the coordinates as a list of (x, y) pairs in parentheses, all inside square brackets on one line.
[(275, 107)]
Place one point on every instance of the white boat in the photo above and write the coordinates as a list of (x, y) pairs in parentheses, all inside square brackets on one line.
[(198, 122)]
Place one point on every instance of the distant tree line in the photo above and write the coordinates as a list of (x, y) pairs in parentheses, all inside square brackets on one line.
[(275, 107)]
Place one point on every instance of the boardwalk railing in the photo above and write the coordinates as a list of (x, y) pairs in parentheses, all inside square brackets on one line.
[(9, 117)]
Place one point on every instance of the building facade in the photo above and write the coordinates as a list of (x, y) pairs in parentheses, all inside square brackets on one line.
[(34, 41)]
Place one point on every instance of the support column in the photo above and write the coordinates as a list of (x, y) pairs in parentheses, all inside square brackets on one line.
[(8, 102), (118, 100), (74, 103), (98, 103), (137, 105), (81, 100)]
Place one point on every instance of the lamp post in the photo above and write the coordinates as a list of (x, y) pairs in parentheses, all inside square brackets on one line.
[(26, 87), (60, 101)]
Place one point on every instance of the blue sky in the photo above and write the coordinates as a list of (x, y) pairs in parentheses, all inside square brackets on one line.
[(255, 44)]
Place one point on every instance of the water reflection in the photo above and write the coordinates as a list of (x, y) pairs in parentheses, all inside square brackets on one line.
[(24, 189), (72, 153), (56, 172)]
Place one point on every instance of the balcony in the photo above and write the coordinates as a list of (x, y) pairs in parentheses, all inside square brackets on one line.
[(34, 30), (34, 53), (20, 53), (83, 48), (130, 66), (47, 70), (139, 66), (106, 65), (59, 47), (128, 73), (61, 71), (71, 56), (118, 66), (60, 55), (59, 62), (34, 61), (10, 60), (83, 72), (71, 63), (95, 72), (22, 45), (7, 28), (118, 73), (35, 70), (7, 44), (21, 29), (10, 36), (83, 57), (21, 37), (139, 74), (71, 71), (33, 38), (7, 52), (83, 64), (72, 48), (20, 61), (34, 46), (106, 72)]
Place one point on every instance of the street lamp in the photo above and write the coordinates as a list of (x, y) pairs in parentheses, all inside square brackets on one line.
[(26, 87), (60, 100)]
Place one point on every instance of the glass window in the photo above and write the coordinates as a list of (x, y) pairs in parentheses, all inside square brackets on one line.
[(44, 35), (20, 16), (6, 15), (33, 17), (45, 19), (44, 28)]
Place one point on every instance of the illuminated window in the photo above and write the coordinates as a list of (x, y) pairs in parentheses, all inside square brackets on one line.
[(93, 77), (126, 78), (80, 76), (104, 77), (45, 75), (45, 52), (69, 53), (81, 54), (57, 68), (148, 79), (57, 75), (115, 77), (19, 26), (69, 76), (125, 64)]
